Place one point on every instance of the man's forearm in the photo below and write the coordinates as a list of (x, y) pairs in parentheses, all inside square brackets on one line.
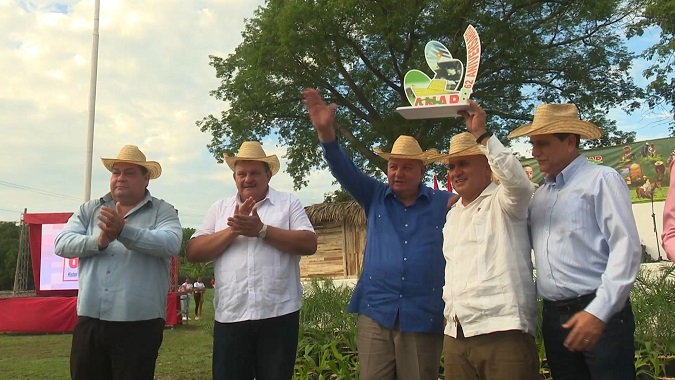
[(207, 248), (292, 241)]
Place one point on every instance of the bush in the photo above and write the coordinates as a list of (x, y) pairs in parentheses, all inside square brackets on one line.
[(327, 339)]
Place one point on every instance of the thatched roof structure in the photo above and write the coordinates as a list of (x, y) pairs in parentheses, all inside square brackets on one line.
[(349, 212)]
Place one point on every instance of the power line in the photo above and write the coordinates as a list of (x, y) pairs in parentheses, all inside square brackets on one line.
[(43, 192), (11, 211)]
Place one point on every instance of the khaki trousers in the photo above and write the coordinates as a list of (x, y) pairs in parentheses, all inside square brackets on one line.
[(503, 355), (394, 355)]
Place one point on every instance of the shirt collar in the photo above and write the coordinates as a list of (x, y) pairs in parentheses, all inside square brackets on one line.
[(422, 192), (569, 171), (272, 197), (485, 193), (109, 199)]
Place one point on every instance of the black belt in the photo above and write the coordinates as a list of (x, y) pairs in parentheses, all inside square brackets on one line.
[(570, 305)]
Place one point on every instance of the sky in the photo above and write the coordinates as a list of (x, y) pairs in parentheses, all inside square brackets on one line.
[(153, 84)]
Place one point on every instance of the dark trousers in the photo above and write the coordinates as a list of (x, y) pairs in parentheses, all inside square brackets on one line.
[(198, 304), (613, 358), (263, 349), (115, 350)]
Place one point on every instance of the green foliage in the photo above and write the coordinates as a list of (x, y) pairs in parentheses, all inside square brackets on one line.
[(192, 270), (649, 361), (653, 300), (9, 249), (339, 195), (356, 52), (658, 15), (327, 339)]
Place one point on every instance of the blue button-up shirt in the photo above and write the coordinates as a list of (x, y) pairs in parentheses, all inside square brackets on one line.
[(129, 280), (403, 267), (584, 237)]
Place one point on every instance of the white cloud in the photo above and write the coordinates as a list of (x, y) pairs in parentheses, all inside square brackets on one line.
[(153, 84)]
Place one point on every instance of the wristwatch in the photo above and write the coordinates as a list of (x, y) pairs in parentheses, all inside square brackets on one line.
[(263, 231)]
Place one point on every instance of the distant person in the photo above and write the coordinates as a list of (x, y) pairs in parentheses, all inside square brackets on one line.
[(185, 290), (398, 297), (198, 288), (587, 251), (530, 174), (213, 282), (256, 238), (489, 293), (125, 241)]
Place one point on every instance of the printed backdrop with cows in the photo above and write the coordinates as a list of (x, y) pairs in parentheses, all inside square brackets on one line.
[(643, 165)]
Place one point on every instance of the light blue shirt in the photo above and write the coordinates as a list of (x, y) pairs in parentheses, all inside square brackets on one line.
[(584, 237), (129, 280)]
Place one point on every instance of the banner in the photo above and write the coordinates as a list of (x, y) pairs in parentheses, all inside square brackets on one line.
[(643, 165)]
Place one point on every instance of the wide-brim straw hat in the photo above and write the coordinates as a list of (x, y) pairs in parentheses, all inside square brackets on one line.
[(253, 151), (464, 144), (558, 118), (406, 147), (132, 155)]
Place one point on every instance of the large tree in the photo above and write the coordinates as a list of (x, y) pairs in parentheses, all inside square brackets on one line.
[(358, 51), (658, 15)]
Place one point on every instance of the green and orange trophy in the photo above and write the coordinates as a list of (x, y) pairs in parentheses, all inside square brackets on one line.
[(445, 93)]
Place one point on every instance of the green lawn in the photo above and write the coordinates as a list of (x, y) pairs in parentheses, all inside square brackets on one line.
[(185, 353)]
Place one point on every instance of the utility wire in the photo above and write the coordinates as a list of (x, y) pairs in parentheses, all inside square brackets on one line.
[(43, 192)]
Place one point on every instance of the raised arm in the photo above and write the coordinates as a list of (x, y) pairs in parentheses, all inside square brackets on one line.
[(517, 188), (357, 183)]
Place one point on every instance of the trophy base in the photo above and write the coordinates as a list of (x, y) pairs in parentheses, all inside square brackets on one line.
[(435, 111)]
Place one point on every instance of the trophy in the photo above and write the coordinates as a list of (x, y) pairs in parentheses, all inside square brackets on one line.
[(445, 93)]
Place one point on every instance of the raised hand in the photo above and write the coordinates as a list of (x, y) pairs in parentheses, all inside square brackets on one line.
[(245, 208), (475, 119), (321, 115)]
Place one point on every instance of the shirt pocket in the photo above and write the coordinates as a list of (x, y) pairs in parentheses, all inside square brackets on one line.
[(276, 286), (479, 228)]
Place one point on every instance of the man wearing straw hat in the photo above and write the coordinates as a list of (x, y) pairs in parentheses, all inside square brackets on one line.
[(124, 242), (587, 251), (489, 293), (256, 239), (398, 296)]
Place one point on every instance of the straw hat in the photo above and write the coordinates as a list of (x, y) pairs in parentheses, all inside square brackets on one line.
[(407, 147), (253, 151), (464, 144), (558, 118), (132, 155)]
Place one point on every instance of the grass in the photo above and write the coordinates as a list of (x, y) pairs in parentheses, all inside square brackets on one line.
[(185, 353), (327, 346)]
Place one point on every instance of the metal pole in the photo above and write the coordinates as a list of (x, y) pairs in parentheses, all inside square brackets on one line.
[(92, 106)]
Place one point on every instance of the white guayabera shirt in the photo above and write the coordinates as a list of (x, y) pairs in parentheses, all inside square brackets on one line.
[(254, 280), (488, 274)]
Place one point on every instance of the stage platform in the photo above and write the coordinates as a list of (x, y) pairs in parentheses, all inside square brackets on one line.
[(56, 314)]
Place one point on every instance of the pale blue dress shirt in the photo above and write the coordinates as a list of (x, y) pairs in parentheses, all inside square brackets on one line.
[(584, 237), (129, 280)]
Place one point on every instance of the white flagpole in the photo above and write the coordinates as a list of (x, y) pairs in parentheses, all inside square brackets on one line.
[(92, 106)]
